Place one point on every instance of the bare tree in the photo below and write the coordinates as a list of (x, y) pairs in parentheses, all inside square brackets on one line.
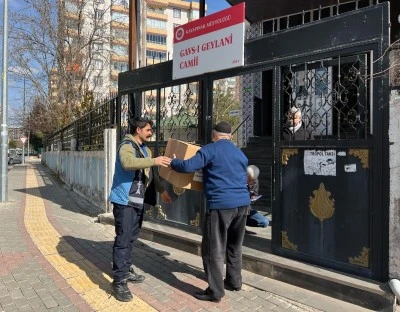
[(62, 47)]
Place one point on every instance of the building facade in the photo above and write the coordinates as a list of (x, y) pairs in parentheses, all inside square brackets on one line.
[(94, 40)]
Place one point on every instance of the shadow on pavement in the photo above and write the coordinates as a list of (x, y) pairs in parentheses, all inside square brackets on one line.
[(154, 263), (51, 188)]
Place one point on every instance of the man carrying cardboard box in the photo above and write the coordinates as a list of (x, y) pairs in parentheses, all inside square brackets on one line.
[(225, 188), (134, 184)]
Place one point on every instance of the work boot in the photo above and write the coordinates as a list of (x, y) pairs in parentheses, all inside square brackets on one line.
[(122, 292), (133, 277)]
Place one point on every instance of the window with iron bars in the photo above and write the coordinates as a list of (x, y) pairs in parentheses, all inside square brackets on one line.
[(330, 98), (159, 55), (158, 39)]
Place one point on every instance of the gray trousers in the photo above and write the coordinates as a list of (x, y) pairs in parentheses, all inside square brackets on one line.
[(223, 235)]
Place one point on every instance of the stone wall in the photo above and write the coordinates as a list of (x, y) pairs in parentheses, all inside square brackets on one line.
[(394, 163)]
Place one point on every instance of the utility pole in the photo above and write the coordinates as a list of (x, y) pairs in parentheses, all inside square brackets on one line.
[(23, 128), (4, 111), (133, 30)]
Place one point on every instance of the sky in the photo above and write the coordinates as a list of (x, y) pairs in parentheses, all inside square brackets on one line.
[(215, 5), (15, 82)]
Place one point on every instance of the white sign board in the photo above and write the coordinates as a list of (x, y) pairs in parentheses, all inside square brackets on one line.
[(23, 139), (209, 44), (234, 112)]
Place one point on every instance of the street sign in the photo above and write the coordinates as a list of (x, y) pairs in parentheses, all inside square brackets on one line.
[(23, 139), (234, 112)]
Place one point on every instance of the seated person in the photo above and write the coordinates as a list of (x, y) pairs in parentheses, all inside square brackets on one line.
[(254, 218), (294, 129)]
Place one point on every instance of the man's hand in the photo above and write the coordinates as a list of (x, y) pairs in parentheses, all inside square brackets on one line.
[(165, 198), (162, 161)]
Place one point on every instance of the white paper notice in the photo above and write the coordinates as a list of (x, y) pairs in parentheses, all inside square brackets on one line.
[(350, 168), (198, 176), (318, 162)]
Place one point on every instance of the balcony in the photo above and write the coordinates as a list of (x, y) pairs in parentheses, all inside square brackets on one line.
[(157, 47), (157, 31), (119, 8), (162, 3), (120, 41), (120, 25), (159, 16), (120, 58), (179, 4)]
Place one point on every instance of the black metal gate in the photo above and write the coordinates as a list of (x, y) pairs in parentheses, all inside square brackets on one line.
[(330, 199)]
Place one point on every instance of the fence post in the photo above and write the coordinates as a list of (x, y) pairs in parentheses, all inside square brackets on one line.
[(90, 129), (110, 150)]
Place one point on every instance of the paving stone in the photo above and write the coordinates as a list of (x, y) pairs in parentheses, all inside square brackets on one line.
[(3, 291), (35, 302), (279, 302), (29, 293), (37, 286), (56, 309), (57, 294), (12, 285), (21, 302), (50, 286), (34, 280), (43, 293), (16, 294), (10, 308), (6, 300), (63, 302), (264, 303), (25, 309), (20, 277), (49, 302), (24, 285), (7, 278), (249, 303), (70, 309)]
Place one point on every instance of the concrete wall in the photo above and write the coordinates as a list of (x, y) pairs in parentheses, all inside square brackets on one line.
[(89, 173), (394, 163)]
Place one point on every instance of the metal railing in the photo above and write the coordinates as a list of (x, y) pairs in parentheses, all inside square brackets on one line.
[(87, 130), (241, 143)]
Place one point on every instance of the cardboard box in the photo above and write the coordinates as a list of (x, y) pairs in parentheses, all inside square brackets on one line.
[(182, 150)]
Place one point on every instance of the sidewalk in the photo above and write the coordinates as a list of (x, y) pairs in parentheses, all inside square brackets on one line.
[(54, 256)]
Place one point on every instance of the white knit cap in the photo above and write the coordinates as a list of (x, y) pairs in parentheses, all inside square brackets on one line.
[(253, 171)]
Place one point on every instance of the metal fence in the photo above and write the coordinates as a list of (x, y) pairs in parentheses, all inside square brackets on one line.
[(85, 133)]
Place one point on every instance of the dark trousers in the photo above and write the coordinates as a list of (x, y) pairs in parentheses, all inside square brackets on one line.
[(127, 227), (223, 235)]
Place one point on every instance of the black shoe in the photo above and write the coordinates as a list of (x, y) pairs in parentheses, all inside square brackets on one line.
[(122, 292), (133, 277), (203, 295), (230, 287)]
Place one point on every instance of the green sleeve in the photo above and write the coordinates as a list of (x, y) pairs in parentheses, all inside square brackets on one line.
[(129, 161)]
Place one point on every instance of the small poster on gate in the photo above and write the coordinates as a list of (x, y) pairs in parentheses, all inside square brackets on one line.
[(320, 162)]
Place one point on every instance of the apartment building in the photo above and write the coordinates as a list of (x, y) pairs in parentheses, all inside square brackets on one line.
[(95, 39)]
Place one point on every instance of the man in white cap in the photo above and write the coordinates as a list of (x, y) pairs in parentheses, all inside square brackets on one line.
[(294, 129)]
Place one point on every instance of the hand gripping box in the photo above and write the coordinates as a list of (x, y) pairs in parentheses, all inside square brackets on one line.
[(182, 150)]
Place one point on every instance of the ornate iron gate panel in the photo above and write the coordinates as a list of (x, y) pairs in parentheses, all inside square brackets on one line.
[(327, 150)]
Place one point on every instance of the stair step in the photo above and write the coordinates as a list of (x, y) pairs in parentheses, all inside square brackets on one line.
[(260, 140)]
